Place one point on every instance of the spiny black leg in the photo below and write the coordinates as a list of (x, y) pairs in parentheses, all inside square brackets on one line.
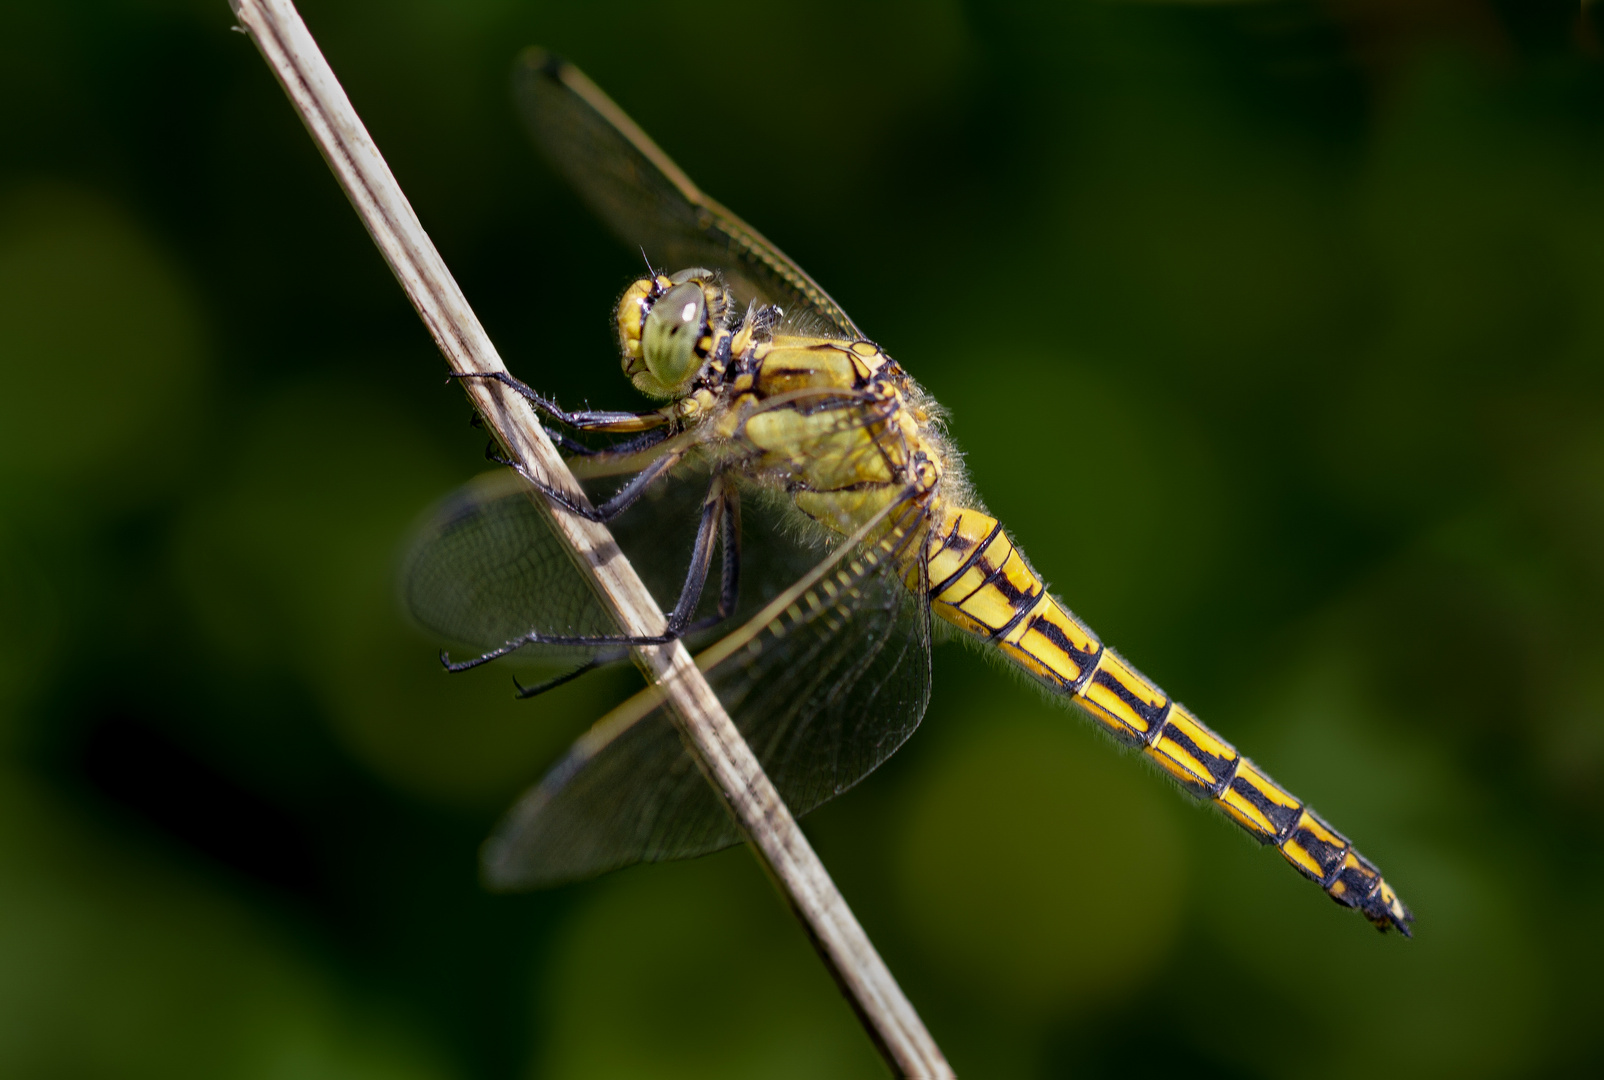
[(567, 641), (626, 496), (690, 594), (644, 441), (572, 447), (730, 541), (583, 419), (730, 592), (701, 558), (493, 453), (526, 692), (621, 500), (455, 666)]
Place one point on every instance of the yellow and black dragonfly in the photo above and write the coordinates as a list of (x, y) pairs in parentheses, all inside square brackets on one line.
[(777, 410)]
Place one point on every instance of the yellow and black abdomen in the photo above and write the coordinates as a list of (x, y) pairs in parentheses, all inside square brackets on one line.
[(981, 583)]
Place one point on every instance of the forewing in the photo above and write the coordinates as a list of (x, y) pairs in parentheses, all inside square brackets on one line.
[(485, 566), (825, 683), (647, 200)]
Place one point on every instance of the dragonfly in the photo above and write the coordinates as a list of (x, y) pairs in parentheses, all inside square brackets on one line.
[(778, 417)]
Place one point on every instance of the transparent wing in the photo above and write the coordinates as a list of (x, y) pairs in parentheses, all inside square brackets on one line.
[(825, 683), (644, 197), (484, 567)]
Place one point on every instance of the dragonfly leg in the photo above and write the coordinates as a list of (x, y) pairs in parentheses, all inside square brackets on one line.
[(573, 448), (581, 420), (620, 501), (730, 584), (525, 692), (576, 641), (730, 591), (714, 512)]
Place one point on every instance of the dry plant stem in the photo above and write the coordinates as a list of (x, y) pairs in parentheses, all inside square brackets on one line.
[(723, 756)]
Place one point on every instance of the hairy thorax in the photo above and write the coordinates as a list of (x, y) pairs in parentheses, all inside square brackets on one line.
[(835, 424)]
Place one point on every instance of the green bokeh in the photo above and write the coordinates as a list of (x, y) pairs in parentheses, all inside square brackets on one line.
[(1272, 331), (1049, 919), (692, 970)]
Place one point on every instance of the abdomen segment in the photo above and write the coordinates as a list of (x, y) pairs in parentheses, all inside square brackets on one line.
[(981, 583)]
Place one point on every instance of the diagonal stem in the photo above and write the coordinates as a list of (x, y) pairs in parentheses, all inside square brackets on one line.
[(723, 756)]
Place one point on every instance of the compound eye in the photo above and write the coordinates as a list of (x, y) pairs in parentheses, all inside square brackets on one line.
[(668, 340)]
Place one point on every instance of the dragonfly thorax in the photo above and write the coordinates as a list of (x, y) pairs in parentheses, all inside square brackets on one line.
[(670, 327)]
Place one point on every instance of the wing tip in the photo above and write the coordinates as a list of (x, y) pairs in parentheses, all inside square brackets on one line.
[(508, 866), (539, 59), (499, 872)]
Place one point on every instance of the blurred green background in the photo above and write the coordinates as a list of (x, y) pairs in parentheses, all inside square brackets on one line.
[(1274, 331)]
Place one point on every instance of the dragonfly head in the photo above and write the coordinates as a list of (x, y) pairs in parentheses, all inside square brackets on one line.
[(669, 327)]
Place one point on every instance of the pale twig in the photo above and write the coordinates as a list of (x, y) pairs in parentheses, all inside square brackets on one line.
[(724, 758)]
